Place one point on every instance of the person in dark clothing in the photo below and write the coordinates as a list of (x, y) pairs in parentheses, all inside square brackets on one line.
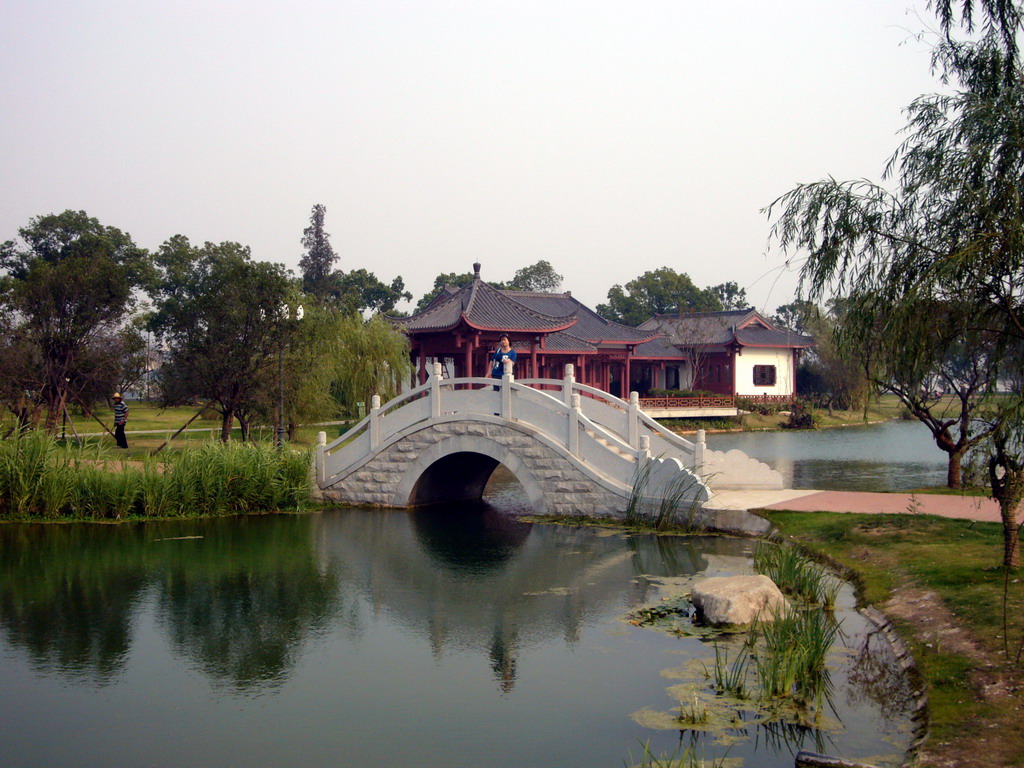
[(120, 419), (503, 352)]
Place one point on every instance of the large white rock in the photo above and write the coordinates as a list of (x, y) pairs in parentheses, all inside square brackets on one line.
[(737, 599)]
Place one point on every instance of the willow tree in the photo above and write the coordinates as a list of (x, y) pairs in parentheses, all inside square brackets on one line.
[(371, 358), (947, 237)]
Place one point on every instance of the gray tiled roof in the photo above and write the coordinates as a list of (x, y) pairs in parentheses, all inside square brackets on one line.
[(485, 308), (590, 326), (746, 327)]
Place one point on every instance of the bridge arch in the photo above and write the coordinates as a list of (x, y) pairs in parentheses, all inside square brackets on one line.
[(457, 468)]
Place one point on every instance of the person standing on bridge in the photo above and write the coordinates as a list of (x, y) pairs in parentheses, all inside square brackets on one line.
[(502, 353), (120, 419)]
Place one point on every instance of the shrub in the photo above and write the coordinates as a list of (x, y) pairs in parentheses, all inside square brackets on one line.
[(801, 416), (763, 407), (680, 393)]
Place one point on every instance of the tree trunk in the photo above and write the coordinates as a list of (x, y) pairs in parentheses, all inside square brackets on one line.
[(954, 477), (1011, 541), (227, 425), (243, 422), (1006, 479)]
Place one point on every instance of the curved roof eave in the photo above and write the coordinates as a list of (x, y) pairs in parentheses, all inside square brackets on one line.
[(563, 323)]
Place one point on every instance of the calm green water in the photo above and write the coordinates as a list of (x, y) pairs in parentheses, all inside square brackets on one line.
[(368, 638), (893, 456)]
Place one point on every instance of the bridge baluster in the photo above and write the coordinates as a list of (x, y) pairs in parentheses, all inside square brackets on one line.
[(321, 468), (506, 391), (573, 442), (698, 454), (634, 420), (435, 392), (568, 382), (375, 423)]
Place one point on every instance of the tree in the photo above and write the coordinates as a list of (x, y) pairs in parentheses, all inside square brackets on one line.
[(950, 236), (371, 358), (795, 315), (730, 295), (360, 291), (220, 315), (834, 376), (319, 258), (442, 281), (66, 290), (539, 278), (656, 293)]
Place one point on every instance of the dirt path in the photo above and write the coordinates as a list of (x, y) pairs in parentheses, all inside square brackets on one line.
[(992, 741)]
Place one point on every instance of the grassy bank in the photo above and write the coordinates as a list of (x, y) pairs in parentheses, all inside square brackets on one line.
[(161, 423), (961, 614), (43, 479)]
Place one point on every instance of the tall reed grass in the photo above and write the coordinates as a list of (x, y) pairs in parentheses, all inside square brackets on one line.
[(667, 508), (790, 661), (796, 574), (41, 479)]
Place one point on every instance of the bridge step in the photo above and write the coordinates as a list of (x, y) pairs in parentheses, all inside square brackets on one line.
[(613, 448)]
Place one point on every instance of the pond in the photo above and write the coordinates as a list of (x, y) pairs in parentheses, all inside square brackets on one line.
[(892, 456), (452, 637)]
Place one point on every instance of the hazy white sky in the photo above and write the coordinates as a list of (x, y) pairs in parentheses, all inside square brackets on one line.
[(609, 138)]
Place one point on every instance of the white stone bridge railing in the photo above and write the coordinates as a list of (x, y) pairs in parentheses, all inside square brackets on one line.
[(602, 431)]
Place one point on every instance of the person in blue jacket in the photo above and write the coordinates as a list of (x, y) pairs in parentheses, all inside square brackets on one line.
[(502, 353)]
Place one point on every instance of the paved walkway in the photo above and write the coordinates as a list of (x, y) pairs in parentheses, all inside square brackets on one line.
[(963, 507)]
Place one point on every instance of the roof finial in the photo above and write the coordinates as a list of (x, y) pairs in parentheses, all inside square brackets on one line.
[(476, 270)]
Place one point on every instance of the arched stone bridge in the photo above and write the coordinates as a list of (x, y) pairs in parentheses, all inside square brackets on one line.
[(574, 449)]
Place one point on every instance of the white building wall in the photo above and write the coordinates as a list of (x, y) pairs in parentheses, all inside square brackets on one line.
[(782, 359)]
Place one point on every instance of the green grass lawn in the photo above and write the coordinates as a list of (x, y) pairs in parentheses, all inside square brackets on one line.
[(166, 421), (958, 561)]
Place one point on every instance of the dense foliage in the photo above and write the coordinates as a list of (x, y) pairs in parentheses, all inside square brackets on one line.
[(66, 290)]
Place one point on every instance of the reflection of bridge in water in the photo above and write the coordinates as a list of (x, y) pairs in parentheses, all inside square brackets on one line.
[(574, 449), (464, 577)]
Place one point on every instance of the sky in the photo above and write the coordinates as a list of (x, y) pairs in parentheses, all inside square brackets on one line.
[(608, 138)]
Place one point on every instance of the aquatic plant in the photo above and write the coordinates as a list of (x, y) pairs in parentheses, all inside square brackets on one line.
[(634, 504), (730, 678), (673, 500), (791, 655), (693, 711), (688, 758), (796, 574), (34, 476)]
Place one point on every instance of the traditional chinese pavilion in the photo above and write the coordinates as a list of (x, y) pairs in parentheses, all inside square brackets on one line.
[(737, 352), (460, 329)]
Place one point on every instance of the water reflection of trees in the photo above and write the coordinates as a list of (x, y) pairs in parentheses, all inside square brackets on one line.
[(242, 606), (68, 595), (875, 675), (238, 597)]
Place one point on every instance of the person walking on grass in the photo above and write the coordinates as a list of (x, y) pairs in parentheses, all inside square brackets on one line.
[(120, 419)]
